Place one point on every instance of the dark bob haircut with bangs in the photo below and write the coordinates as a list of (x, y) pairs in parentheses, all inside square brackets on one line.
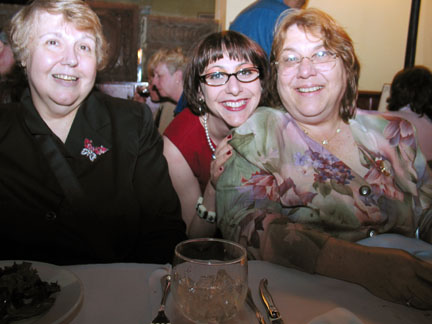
[(211, 49)]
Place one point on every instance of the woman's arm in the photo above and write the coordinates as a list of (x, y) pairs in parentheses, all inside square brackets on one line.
[(187, 187), (198, 226), (391, 274)]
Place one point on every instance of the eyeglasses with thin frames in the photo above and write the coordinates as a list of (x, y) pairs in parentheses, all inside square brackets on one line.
[(216, 79), (322, 60)]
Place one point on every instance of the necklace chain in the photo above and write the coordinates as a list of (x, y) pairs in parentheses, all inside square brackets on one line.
[(326, 141), (212, 148)]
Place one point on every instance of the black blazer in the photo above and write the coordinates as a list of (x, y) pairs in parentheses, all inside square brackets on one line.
[(128, 210)]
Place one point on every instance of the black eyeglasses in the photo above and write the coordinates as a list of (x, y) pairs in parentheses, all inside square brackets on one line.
[(216, 79)]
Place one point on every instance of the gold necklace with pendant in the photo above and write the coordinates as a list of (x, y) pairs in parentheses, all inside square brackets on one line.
[(325, 141)]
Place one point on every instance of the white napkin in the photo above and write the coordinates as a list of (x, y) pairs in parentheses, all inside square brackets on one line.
[(337, 316)]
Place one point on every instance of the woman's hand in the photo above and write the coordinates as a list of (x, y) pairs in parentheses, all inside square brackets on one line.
[(199, 227), (425, 225), (402, 278), (223, 153), (138, 97), (391, 274)]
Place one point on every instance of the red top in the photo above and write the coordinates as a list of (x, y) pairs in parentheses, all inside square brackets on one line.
[(188, 135)]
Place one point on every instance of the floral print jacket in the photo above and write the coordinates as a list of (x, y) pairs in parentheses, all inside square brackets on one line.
[(283, 195)]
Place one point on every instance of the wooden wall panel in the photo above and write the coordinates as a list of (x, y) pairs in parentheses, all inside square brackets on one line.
[(121, 29), (172, 32)]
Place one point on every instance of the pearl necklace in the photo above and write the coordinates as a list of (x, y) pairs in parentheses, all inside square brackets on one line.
[(326, 141), (208, 136)]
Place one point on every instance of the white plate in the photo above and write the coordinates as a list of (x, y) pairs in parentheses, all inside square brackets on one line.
[(68, 300)]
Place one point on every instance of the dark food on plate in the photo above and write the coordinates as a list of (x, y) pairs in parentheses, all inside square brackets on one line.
[(23, 294)]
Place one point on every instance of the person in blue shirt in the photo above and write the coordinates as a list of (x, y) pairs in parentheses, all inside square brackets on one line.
[(258, 20)]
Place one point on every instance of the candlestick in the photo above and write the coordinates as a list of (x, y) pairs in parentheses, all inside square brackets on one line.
[(139, 65)]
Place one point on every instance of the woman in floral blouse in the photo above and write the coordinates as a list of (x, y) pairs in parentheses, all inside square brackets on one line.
[(308, 181)]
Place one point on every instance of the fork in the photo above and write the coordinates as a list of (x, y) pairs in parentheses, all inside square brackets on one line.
[(161, 317)]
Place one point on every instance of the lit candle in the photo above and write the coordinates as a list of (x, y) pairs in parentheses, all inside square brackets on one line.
[(139, 65)]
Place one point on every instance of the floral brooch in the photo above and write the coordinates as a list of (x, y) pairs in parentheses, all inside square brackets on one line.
[(91, 151), (383, 166)]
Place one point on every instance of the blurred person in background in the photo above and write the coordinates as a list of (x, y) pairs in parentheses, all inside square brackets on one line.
[(149, 94), (162, 107), (167, 76), (12, 78), (7, 60), (258, 20), (411, 98)]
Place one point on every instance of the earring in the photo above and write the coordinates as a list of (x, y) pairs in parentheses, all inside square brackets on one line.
[(201, 101)]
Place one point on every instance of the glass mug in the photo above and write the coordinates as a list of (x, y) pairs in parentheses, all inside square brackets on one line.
[(209, 279)]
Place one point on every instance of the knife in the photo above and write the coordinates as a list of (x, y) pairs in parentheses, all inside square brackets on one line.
[(252, 305), (273, 312)]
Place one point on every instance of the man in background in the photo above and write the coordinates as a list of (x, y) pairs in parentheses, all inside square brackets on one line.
[(258, 20), (7, 60), (12, 77)]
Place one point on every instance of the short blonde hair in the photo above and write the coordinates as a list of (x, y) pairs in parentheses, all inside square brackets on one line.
[(76, 12), (173, 58), (151, 65)]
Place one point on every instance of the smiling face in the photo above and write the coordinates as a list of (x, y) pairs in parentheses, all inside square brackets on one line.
[(307, 93), (234, 101), (61, 67)]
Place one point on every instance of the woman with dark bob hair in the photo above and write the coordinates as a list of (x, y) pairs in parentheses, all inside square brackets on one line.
[(83, 176), (411, 98), (319, 185), (225, 81)]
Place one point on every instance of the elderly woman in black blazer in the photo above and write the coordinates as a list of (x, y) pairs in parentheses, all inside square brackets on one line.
[(82, 175)]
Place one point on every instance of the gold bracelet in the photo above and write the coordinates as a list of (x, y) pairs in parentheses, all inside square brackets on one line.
[(203, 213)]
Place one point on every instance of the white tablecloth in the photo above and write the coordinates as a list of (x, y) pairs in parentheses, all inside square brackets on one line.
[(130, 294)]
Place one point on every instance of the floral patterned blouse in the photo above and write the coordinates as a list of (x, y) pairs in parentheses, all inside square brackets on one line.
[(283, 195)]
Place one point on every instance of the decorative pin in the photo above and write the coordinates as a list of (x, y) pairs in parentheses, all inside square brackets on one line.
[(383, 166), (92, 151)]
